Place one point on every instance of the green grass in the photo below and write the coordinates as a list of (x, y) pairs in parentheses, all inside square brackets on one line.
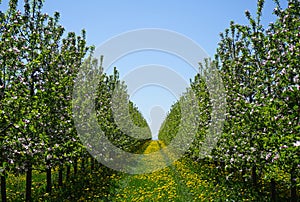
[(85, 185), (16, 186), (184, 180)]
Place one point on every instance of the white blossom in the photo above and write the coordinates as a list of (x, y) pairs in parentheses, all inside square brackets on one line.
[(297, 144)]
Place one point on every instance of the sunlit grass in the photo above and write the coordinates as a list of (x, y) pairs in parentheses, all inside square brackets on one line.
[(154, 146), (184, 180), (187, 180)]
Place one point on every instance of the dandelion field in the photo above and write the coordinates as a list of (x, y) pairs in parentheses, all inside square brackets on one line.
[(184, 180)]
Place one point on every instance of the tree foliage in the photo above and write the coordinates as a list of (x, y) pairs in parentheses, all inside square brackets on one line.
[(39, 62), (260, 71)]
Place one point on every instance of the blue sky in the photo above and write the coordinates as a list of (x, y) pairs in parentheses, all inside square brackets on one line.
[(201, 21)]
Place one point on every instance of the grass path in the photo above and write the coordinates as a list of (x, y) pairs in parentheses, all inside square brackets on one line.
[(184, 180), (173, 183)]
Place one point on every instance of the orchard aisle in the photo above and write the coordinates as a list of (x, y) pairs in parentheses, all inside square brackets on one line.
[(173, 183)]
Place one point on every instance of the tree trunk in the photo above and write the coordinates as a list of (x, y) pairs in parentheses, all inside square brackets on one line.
[(60, 176), (3, 187), (222, 164), (49, 183), (243, 174), (28, 183), (75, 166), (273, 190), (254, 177), (82, 164), (293, 186), (216, 163), (68, 172), (92, 163)]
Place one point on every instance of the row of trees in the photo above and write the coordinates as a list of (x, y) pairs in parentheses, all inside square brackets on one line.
[(114, 104), (38, 66), (260, 71), (39, 63)]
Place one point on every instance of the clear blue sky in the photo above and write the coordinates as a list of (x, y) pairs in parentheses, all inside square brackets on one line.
[(201, 21)]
